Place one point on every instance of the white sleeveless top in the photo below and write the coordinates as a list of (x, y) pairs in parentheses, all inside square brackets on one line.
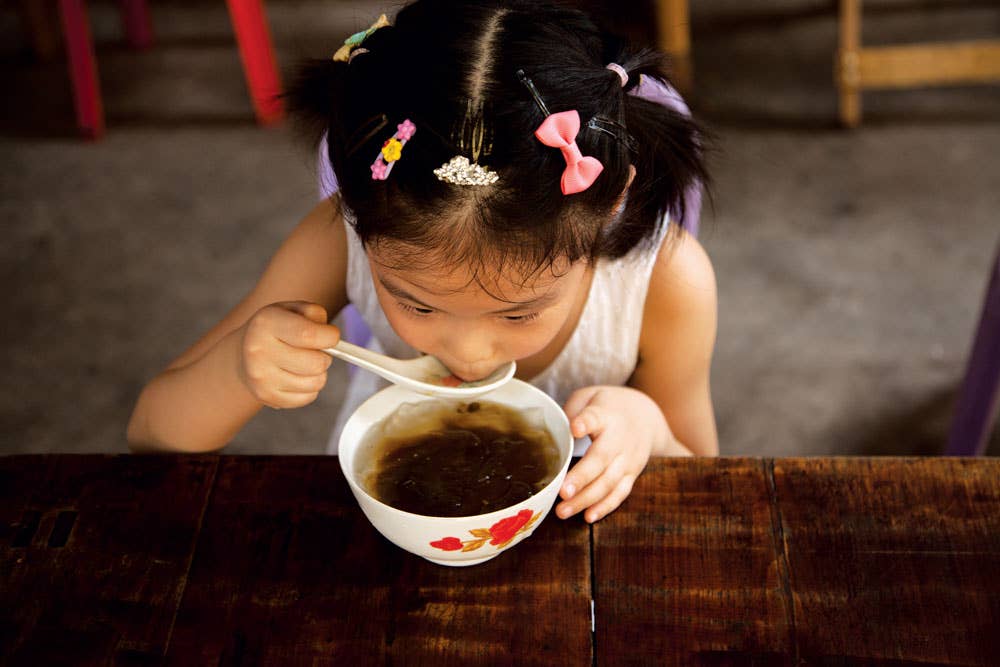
[(603, 349)]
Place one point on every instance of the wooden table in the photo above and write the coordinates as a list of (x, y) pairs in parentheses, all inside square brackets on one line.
[(268, 560)]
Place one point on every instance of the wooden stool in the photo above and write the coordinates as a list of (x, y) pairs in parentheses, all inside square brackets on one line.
[(674, 27), (907, 66)]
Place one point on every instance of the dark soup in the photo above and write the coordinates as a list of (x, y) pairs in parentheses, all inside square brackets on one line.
[(450, 458)]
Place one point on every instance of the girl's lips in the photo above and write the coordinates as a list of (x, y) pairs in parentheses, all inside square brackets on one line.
[(465, 376), (468, 378), (473, 377)]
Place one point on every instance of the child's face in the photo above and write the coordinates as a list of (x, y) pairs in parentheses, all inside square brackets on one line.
[(449, 315)]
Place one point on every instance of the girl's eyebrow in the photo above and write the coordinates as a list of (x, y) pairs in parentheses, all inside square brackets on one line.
[(538, 302), (401, 293)]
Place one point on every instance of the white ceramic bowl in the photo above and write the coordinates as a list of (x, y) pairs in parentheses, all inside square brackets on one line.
[(466, 540)]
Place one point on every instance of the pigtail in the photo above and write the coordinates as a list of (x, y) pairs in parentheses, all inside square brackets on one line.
[(668, 155), (315, 97)]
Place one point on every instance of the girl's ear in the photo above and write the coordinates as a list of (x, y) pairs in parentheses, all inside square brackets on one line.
[(621, 198), (631, 177)]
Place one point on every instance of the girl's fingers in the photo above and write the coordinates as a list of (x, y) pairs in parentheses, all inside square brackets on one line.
[(288, 390), (578, 400), (604, 481), (290, 383), (285, 400), (611, 501), (583, 473), (304, 362), (312, 311), (299, 330), (590, 422)]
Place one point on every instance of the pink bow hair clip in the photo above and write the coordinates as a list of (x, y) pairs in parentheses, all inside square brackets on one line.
[(559, 131)]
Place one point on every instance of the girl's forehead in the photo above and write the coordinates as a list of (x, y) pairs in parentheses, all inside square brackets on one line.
[(443, 278)]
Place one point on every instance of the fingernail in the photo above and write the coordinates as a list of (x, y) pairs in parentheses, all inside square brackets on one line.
[(569, 490), (563, 512)]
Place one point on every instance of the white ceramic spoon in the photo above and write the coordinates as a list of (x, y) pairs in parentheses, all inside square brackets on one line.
[(423, 374)]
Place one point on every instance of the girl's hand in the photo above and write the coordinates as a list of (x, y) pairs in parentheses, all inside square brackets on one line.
[(281, 361), (626, 427)]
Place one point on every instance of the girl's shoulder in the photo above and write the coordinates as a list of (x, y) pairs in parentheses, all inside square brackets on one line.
[(677, 340), (310, 265), (682, 290), (681, 256), (312, 261)]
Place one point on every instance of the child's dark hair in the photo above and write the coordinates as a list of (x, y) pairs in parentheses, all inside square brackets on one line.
[(441, 58)]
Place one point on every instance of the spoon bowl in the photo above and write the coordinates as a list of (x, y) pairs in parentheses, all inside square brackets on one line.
[(424, 375)]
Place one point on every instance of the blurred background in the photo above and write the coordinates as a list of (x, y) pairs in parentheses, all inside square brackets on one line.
[(851, 263)]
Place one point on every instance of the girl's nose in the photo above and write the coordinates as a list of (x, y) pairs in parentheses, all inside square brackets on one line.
[(471, 352)]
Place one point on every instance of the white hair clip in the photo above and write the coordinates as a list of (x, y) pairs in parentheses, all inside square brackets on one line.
[(459, 171)]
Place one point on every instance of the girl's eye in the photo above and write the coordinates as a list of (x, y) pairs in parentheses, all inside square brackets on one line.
[(521, 318), (415, 309)]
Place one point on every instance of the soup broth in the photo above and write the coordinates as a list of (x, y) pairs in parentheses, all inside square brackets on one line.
[(449, 459)]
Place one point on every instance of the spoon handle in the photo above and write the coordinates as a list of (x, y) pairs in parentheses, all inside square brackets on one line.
[(364, 358)]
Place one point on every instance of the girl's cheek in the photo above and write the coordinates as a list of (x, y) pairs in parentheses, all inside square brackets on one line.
[(526, 344), (414, 334)]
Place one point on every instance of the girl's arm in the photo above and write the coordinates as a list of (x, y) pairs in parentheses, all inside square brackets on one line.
[(676, 343), (203, 398), (667, 409)]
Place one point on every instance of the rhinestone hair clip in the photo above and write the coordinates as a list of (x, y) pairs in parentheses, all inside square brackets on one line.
[(472, 135), (459, 171)]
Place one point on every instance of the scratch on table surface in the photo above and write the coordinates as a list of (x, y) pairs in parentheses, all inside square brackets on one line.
[(781, 555), (194, 549)]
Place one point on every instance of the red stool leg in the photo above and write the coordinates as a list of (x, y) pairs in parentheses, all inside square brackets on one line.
[(137, 23), (259, 63), (82, 68)]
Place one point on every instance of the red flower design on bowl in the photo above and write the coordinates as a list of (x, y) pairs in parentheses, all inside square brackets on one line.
[(448, 544), (504, 530), (499, 534)]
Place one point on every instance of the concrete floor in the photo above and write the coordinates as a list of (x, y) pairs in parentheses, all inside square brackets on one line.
[(851, 265)]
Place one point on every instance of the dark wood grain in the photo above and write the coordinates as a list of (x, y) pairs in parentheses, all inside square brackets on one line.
[(93, 555), (893, 561), (269, 560), (688, 569), (289, 571)]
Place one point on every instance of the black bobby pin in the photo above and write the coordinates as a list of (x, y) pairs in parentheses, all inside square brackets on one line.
[(424, 126), (523, 78), (613, 129), (380, 121)]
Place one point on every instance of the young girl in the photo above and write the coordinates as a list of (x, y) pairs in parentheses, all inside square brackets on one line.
[(507, 176)]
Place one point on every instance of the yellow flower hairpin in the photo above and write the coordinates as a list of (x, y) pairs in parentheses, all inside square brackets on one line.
[(392, 150), (343, 54)]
